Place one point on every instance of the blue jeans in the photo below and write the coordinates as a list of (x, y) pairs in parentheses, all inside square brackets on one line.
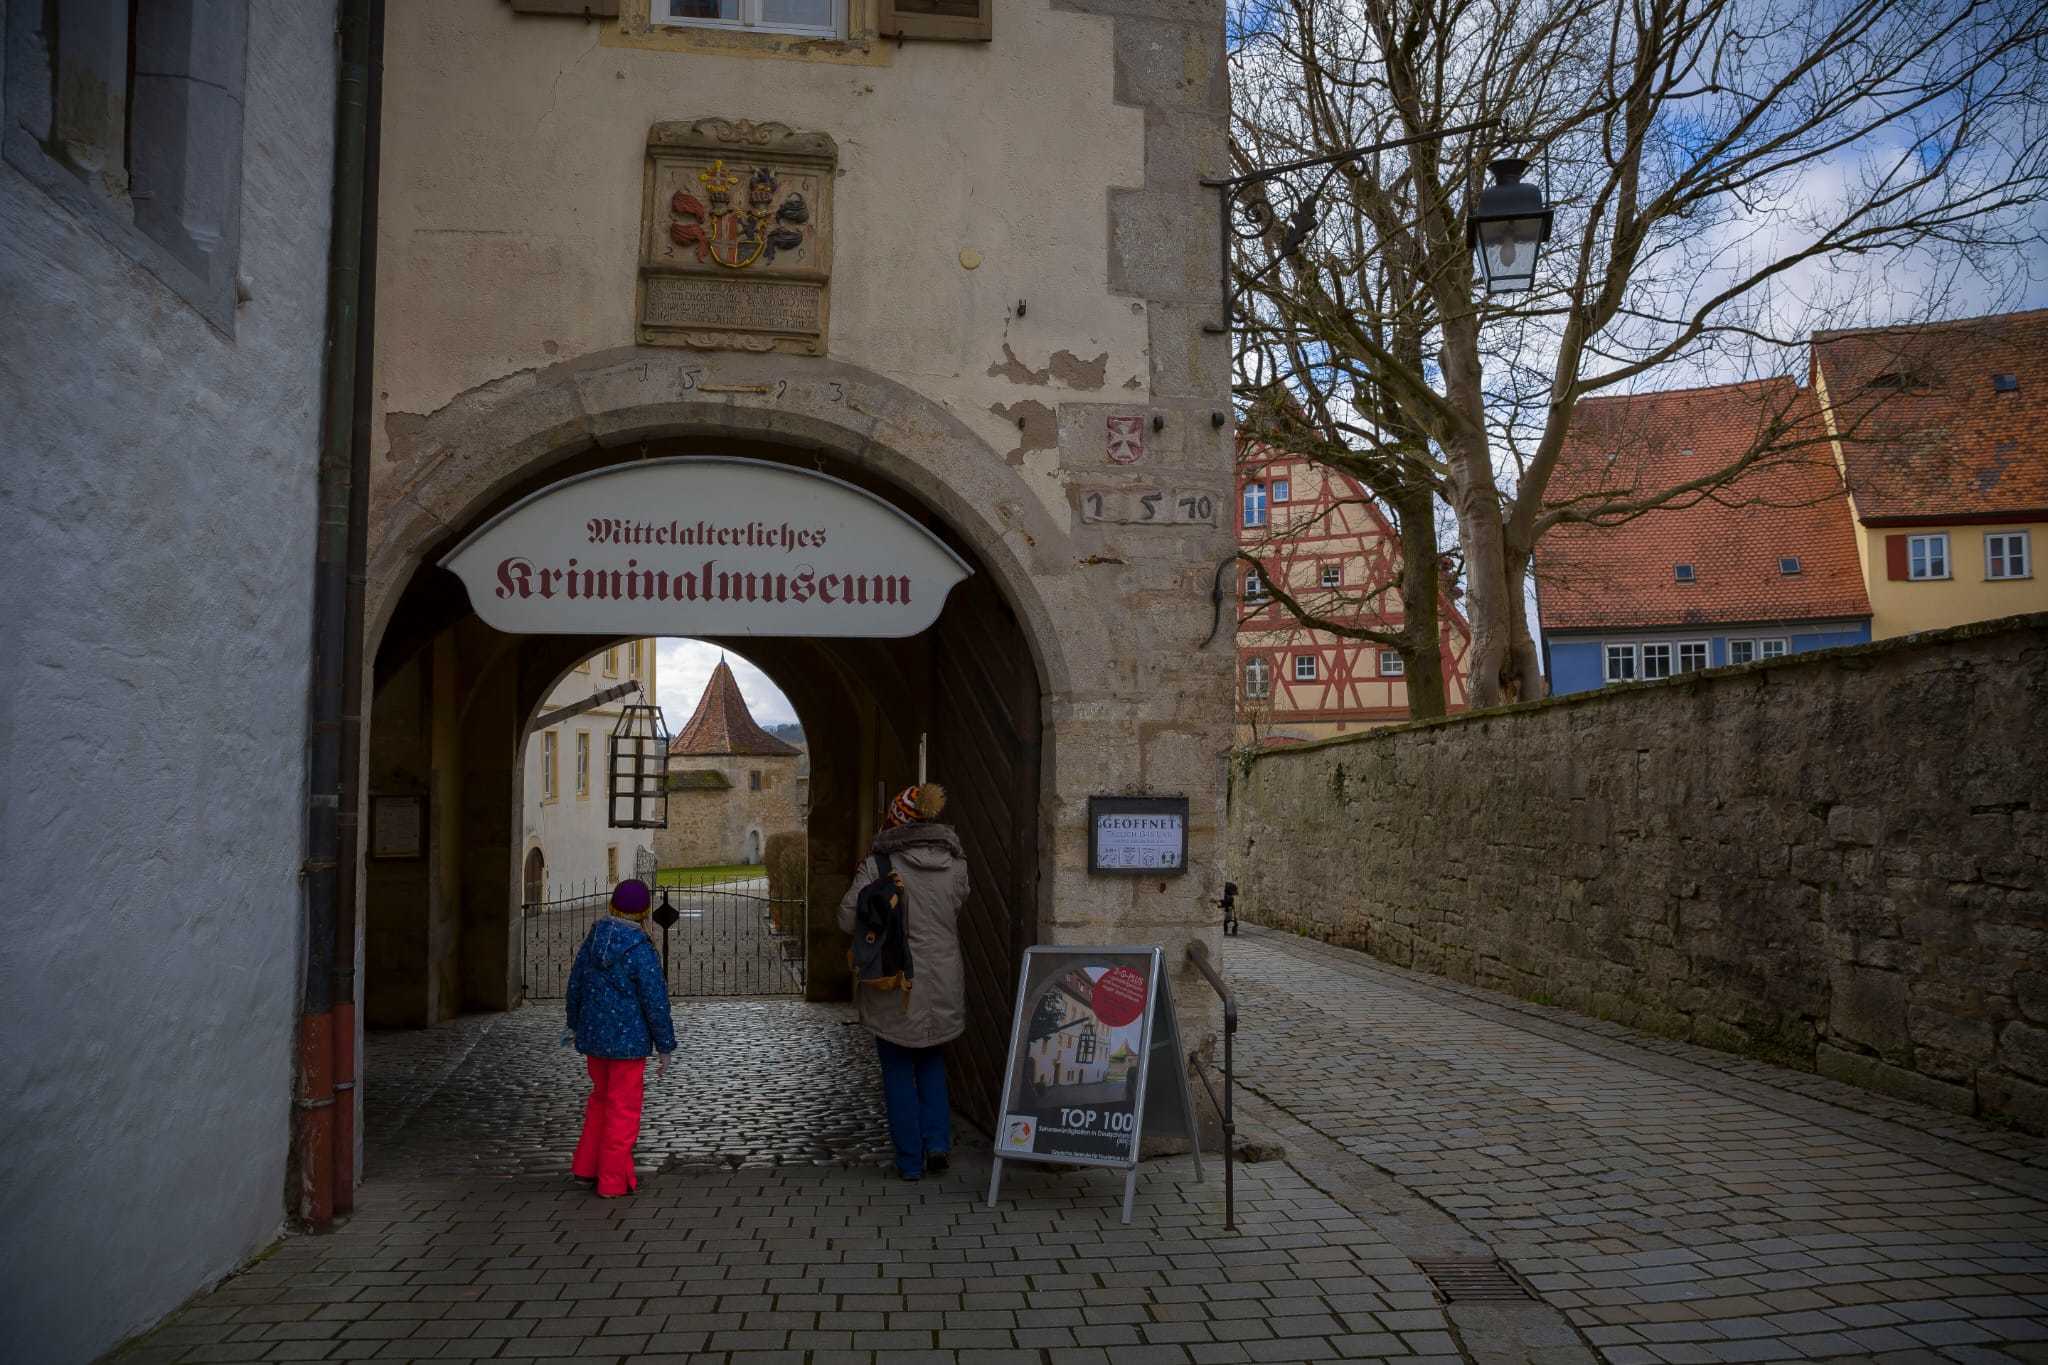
[(914, 1089)]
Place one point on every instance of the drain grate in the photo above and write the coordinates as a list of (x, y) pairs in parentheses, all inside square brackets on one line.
[(1473, 1279)]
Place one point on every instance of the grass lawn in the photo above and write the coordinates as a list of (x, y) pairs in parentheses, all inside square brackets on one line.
[(705, 876)]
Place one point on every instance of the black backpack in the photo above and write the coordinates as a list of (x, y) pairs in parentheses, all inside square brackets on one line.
[(880, 955)]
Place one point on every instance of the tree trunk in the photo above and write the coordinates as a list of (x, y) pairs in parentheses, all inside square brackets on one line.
[(1421, 647), (1522, 673), (1486, 574)]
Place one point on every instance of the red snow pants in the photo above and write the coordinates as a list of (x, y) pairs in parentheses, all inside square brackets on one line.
[(611, 1124)]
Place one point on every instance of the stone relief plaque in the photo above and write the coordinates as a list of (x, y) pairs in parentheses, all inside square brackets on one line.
[(736, 237)]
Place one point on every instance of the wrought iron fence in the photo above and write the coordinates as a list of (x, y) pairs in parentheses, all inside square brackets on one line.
[(730, 937)]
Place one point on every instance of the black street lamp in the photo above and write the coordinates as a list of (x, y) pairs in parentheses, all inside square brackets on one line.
[(1508, 228)]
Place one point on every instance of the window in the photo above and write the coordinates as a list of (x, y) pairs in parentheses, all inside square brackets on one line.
[(129, 113), (1656, 661), (1254, 587), (611, 863), (1084, 1046), (1927, 556), (2005, 555), (1621, 663), (611, 662), (1304, 668), (2005, 383), (550, 765), (583, 667), (1790, 565), (1282, 489), (769, 16), (754, 780), (1771, 649), (1258, 678), (1741, 651), (1692, 656), (1255, 504), (633, 659), (583, 762), (1682, 573), (1392, 665), (959, 20), (1333, 575)]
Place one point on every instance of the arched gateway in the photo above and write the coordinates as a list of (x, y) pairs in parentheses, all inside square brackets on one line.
[(1011, 656)]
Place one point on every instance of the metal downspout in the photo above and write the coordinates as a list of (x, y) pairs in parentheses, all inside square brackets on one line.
[(313, 1103), (354, 665)]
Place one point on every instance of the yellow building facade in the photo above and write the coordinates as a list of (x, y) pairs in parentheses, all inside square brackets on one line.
[(1938, 433)]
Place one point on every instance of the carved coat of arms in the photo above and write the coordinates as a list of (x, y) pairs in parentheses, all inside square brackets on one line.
[(1125, 439), (736, 237), (734, 234)]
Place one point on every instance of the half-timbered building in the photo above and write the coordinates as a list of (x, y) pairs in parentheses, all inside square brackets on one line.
[(1325, 542)]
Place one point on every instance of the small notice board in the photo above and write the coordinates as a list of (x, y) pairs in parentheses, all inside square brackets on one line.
[(1095, 1064), (1138, 836)]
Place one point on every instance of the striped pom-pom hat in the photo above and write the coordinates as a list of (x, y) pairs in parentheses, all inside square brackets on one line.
[(913, 804)]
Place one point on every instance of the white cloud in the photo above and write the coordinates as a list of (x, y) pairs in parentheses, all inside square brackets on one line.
[(685, 667)]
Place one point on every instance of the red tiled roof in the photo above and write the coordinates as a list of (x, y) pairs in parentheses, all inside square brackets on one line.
[(1788, 503), (723, 725), (1946, 444)]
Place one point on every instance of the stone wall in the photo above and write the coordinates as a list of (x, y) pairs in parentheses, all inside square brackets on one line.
[(708, 827), (157, 486), (1837, 861)]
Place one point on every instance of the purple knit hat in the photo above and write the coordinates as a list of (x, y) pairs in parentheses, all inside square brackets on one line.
[(631, 897)]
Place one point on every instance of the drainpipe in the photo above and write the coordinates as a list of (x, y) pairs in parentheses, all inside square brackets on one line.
[(323, 1102)]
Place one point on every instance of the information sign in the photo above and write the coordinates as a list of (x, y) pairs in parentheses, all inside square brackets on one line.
[(1141, 836), (1095, 1063)]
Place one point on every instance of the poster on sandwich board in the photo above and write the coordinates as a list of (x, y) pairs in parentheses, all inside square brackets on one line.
[(1095, 1064)]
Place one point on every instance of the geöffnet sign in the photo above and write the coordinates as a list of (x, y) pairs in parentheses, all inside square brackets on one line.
[(705, 545)]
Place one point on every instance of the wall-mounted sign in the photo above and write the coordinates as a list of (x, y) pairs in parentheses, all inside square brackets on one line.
[(398, 826), (705, 545), (736, 236), (1139, 836), (1095, 1064)]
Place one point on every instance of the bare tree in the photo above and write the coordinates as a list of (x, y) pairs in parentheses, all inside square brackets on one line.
[(1727, 175)]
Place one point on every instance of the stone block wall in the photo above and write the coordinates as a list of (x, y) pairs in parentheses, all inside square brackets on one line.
[(710, 827), (1835, 861)]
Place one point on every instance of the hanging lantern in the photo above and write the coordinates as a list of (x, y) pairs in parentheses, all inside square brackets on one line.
[(1510, 225), (638, 785)]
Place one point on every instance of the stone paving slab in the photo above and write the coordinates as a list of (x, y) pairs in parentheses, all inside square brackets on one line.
[(1675, 1211), (823, 1265)]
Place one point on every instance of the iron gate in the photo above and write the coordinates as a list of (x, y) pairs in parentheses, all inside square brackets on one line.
[(730, 936)]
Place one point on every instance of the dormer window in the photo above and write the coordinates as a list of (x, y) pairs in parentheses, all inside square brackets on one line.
[(1789, 565), (1682, 573), (1894, 379)]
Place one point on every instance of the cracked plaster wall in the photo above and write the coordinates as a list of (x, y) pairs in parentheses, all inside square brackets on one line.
[(1054, 167), (157, 485)]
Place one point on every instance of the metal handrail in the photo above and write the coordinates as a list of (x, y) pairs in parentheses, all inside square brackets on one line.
[(1198, 957)]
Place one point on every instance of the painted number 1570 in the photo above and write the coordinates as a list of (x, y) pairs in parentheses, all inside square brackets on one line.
[(1149, 507)]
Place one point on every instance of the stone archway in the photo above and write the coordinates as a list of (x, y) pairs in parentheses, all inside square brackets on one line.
[(452, 698)]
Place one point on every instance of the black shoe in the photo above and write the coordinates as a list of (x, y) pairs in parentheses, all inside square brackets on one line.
[(587, 1181), (935, 1163)]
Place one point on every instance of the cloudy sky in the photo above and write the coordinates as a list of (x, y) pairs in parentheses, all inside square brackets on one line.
[(685, 666)]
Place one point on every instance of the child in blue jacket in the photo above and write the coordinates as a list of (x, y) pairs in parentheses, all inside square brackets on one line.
[(618, 1012)]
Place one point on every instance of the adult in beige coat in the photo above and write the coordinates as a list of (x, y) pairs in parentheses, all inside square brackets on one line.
[(913, 1025)]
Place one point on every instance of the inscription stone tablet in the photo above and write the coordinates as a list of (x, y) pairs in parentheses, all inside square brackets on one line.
[(736, 237)]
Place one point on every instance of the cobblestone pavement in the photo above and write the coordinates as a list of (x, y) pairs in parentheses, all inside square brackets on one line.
[(1666, 1204), (753, 1083), (1677, 1205)]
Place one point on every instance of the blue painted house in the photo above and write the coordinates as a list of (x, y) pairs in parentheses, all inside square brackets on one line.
[(1634, 585)]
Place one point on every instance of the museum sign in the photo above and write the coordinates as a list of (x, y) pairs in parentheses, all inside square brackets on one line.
[(706, 545)]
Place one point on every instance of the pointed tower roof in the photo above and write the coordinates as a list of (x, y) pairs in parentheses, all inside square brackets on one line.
[(722, 724)]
